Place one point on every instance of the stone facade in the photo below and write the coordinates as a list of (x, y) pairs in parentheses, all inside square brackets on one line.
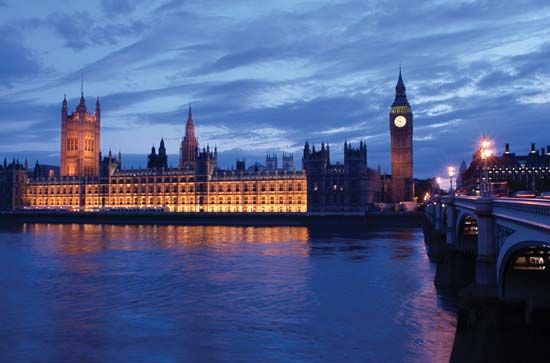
[(80, 140), (336, 188)]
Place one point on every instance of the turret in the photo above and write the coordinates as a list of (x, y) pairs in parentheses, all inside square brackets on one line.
[(64, 111), (162, 157), (97, 110), (81, 108)]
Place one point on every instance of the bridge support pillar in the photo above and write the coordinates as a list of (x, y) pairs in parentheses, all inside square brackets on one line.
[(486, 274), (451, 221), (438, 215)]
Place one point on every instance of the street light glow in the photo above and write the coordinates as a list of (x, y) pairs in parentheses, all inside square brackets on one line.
[(451, 171)]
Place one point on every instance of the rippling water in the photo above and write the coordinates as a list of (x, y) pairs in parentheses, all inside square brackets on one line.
[(92, 293)]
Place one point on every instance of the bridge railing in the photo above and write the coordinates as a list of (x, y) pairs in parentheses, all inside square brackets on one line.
[(535, 212)]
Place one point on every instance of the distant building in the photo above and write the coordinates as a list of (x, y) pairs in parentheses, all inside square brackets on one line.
[(110, 164), (271, 162), (336, 188), (461, 171), (158, 161), (13, 181), (288, 161), (529, 172), (240, 165), (41, 171)]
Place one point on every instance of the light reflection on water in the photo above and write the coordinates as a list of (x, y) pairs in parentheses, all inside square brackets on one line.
[(100, 293)]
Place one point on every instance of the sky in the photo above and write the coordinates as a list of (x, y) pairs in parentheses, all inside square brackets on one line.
[(265, 76)]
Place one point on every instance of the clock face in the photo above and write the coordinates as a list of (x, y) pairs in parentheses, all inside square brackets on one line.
[(400, 121)]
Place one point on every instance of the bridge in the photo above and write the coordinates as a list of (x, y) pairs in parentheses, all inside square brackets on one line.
[(510, 238)]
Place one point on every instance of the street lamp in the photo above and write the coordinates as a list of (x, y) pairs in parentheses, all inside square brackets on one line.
[(451, 171), (485, 152)]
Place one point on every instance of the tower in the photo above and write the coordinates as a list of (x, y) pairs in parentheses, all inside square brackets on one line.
[(271, 162), (316, 164), (152, 159), (80, 139), (162, 158), (189, 145), (355, 177), (401, 131), (288, 161)]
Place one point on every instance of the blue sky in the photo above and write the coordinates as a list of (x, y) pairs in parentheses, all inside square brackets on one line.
[(264, 76)]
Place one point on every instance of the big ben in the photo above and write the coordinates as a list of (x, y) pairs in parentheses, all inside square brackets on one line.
[(401, 131)]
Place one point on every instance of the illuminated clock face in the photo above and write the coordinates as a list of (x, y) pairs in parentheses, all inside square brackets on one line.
[(400, 121)]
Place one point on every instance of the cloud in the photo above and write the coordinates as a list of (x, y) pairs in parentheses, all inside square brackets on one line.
[(119, 7), (80, 30), (17, 61)]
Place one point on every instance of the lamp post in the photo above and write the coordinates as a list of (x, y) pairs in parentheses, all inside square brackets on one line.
[(485, 152), (451, 171)]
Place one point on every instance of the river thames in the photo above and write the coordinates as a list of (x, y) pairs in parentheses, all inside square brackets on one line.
[(103, 293)]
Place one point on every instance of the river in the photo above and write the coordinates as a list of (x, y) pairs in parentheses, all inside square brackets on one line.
[(113, 293)]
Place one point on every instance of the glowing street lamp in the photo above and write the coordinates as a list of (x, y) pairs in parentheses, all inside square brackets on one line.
[(485, 152)]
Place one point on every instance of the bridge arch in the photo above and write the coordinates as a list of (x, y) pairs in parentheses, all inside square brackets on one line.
[(523, 269), (466, 232)]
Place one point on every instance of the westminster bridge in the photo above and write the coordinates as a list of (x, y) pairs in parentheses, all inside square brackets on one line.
[(509, 237)]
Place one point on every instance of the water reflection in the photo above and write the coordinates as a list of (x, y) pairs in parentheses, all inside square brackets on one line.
[(212, 293)]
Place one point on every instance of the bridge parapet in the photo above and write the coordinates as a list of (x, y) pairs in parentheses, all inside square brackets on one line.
[(533, 213)]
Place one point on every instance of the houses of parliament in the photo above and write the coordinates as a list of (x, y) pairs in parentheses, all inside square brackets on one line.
[(88, 181)]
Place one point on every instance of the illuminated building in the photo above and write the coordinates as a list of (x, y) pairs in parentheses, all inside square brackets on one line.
[(530, 172), (198, 185)]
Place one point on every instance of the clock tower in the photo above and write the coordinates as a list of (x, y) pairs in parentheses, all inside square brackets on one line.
[(401, 131)]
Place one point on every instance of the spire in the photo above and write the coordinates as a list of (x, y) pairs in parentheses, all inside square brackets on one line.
[(97, 108), (190, 127), (400, 87), (64, 111), (400, 92), (82, 105)]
